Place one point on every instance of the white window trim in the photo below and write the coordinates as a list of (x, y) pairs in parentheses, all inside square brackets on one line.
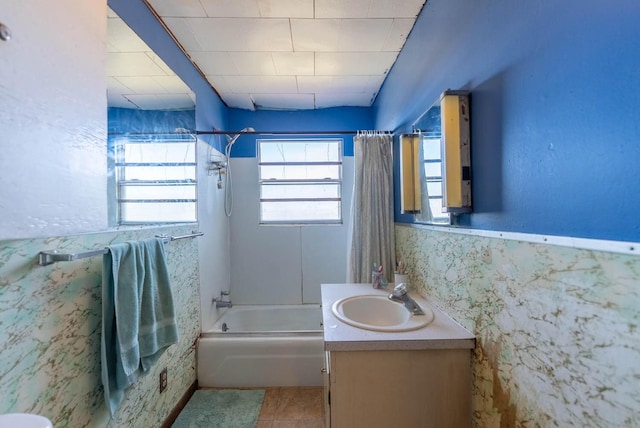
[(338, 181)]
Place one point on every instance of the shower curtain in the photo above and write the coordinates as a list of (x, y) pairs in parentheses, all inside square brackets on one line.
[(371, 228)]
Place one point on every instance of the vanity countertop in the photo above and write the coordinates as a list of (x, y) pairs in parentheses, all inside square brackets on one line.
[(442, 333)]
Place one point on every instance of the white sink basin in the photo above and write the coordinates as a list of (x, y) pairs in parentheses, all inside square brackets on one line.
[(378, 313)]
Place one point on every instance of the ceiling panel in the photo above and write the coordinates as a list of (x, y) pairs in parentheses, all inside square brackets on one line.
[(297, 54), (364, 35), (315, 35), (294, 63), (286, 8), (339, 84), (214, 63), (368, 8), (284, 101), (136, 76), (354, 63), (181, 8), (262, 84), (325, 100), (252, 63), (160, 102), (243, 101), (231, 8), (239, 34)]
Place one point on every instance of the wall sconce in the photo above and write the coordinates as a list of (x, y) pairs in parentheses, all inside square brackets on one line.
[(456, 153), (410, 198)]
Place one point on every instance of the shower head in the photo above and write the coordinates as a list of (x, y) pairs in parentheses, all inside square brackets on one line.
[(231, 140)]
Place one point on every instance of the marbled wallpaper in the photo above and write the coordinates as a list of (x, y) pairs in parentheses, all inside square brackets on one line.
[(50, 327), (557, 328)]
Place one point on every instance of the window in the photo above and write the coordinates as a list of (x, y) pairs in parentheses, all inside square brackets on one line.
[(155, 178), (300, 181)]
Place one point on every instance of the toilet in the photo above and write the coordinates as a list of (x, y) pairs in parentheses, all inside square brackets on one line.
[(24, 420)]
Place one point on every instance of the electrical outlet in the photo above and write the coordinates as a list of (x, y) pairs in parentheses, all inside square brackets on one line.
[(163, 380)]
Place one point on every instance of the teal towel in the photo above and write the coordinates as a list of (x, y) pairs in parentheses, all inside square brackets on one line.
[(138, 314)]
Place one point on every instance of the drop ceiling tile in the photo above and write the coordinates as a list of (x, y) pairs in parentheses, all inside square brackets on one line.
[(243, 101), (284, 101), (364, 35), (294, 63), (354, 63), (183, 33), (398, 34), (325, 100), (117, 87), (231, 8), (240, 34), (395, 8), (315, 35), (262, 84), (368, 8), (120, 38), (253, 63), (342, 8), (286, 8), (161, 102), (142, 84), (339, 84), (117, 100), (219, 83), (132, 64), (172, 84), (214, 63), (160, 63), (182, 8)]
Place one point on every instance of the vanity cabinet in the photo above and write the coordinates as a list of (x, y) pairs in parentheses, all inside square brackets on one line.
[(398, 388), (404, 379)]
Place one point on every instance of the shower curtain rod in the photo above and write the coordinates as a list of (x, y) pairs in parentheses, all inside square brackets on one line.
[(286, 132)]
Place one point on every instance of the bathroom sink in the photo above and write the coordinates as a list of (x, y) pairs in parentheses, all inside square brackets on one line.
[(378, 313)]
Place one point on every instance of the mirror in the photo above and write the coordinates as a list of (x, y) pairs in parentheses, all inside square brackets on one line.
[(444, 162), (151, 151), (429, 130)]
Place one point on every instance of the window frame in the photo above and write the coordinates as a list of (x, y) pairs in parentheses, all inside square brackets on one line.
[(120, 183), (301, 182)]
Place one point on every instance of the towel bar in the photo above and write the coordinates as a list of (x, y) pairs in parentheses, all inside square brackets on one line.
[(52, 256)]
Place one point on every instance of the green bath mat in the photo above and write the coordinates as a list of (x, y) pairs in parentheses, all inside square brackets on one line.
[(224, 408)]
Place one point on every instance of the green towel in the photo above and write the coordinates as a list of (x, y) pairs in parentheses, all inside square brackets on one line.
[(138, 314)]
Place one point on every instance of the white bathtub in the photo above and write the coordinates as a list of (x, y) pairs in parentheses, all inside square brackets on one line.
[(263, 345)]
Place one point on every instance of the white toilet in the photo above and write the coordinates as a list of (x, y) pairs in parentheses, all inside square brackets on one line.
[(24, 420)]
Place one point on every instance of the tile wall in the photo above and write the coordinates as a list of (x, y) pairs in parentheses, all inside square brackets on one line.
[(557, 328), (50, 323)]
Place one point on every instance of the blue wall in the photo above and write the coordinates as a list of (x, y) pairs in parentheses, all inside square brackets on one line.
[(555, 102), (211, 112), (123, 120), (331, 119)]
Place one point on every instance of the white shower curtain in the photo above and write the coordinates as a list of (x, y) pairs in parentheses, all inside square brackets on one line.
[(371, 228)]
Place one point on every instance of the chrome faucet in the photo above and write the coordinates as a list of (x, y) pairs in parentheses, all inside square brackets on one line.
[(400, 295), (221, 303)]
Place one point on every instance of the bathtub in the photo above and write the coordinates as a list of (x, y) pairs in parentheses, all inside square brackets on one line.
[(262, 345)]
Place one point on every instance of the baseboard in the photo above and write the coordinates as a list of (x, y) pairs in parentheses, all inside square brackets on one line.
[(178, 408)]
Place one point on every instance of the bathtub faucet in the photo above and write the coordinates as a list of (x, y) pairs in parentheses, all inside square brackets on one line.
[(221, 303)]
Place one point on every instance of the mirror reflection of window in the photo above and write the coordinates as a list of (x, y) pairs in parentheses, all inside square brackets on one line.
[(428, 126), (151, 154)]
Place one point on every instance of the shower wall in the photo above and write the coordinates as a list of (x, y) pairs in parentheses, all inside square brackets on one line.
[(282, 264), (214, 262)]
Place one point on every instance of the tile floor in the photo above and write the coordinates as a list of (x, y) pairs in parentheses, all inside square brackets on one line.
[(292, 407)]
